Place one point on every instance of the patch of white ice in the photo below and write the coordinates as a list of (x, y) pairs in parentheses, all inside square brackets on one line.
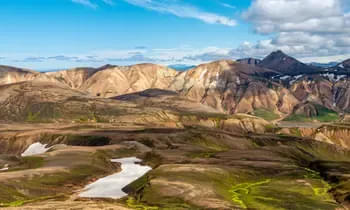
[(284, 77), (298, 76), (111, 186), (35, 149), (238, 81)]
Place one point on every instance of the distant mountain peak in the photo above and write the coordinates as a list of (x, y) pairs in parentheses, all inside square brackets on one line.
[(279, 54), (283, 63)]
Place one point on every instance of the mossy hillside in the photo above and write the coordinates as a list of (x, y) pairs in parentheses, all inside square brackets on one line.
[(81, 110), (265, 114), (39, 187), (336, 173), (208, 142), (271, 128), (42, 112), (30, 162), (152, 159), (253, 188), (19, 203), (276, 193), (42, 187), (24, 163), (301, 150), (305, 186), (324, 115), (240, 187)]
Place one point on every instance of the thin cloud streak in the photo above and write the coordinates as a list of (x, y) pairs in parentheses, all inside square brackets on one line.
[(183, 11), (228, 5), (86, 3)]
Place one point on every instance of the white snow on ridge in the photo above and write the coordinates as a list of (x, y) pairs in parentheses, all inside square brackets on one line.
[(238, 81), (334, 78), (111, 186), (35, 149), (298, 76), (284, 77)]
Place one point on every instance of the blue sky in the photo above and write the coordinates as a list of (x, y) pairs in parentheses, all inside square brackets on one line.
[(54, 34)]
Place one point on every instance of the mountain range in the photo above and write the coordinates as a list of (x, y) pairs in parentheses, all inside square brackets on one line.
[(278, 84), (247, 134)]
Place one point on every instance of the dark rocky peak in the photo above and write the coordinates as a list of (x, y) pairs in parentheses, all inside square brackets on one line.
[(285, 64)]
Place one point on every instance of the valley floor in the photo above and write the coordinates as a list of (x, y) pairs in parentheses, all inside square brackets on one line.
[(193, 168)]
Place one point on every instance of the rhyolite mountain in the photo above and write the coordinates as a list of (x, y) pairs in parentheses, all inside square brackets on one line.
[(277, 84), (285, 64), (195, 129)]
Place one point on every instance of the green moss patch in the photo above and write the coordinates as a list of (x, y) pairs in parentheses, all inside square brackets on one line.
[(265, 114), (324, 115)]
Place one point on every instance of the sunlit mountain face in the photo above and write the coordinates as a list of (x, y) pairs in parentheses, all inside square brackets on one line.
[(154, 104)]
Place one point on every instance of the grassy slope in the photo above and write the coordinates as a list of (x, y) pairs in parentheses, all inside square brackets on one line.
[(265, 114), (324, 115), (262, 174), (55, 185)]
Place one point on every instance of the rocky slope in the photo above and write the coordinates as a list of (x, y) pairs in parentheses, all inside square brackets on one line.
[(40, 102), (74, 78), (121, 80), (277, 84), (233, 87), (10, 75)]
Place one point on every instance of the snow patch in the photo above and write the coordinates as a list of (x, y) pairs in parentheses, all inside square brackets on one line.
[(238, 81), (111, 186), (284, 77), (341, 66), (35, 149), (332, 77), (298, 76)]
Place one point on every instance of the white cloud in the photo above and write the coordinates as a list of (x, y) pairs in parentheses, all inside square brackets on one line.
[(302, 28), (228, 5), (182, 10), (87, 3)]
